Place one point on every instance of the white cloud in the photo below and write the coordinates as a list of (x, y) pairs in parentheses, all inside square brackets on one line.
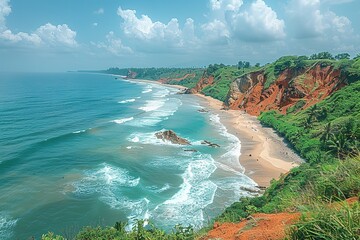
[(144, 28), (258, 23), (5, 10), (95, 24), (114, 45), (216, 31), (318, 22), (48, 34), (57, 35), (227, 5), (99, 11), (21, 36), (156, 33)]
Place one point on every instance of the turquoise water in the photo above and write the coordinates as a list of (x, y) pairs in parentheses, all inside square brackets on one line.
[(79, 149)]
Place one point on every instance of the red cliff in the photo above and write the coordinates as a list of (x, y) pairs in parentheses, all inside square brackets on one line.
[(309, 86)]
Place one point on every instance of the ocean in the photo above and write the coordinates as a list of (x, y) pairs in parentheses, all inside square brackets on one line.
[(79, 149)]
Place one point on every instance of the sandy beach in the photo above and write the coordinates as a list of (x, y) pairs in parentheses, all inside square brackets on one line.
[(264, 155)]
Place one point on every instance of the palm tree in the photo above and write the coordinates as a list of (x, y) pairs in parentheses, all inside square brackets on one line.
[(326, 133), (338, 144)]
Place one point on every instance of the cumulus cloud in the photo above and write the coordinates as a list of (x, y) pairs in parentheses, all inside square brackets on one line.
[(310, 20), (57, 35), (216, 31), (258, 23), (47, 34), (114, 45), (5, 10), (146, 30), (21, 36)]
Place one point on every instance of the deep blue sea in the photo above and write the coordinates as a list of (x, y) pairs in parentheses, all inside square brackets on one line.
[(80, 149)]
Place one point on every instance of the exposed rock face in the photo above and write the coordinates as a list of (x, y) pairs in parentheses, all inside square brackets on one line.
[(311, 86), (204, 81), (171, 136)]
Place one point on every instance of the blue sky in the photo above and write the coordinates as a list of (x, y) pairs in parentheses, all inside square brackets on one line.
[(61, 35)]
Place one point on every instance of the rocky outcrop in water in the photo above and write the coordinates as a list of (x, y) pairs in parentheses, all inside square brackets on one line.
[(210, 144), (171, 136)]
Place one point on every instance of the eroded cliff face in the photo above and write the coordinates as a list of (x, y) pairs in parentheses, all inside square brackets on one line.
[(310, 86), (204, 82)]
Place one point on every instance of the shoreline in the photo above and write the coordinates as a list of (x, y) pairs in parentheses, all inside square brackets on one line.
[(263, 154)]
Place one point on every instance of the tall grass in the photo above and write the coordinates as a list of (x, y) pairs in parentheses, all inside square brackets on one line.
[(329, 224)]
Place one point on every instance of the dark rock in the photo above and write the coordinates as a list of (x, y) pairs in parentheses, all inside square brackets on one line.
[(210, 144), (261, 187), (251, 190), (171, 136), (203, 110), (190, 150), (182, 91)]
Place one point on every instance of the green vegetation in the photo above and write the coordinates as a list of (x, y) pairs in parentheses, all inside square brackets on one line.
[(138, 232), (327, 223), (303, 189), (329, 129), (223, 77)]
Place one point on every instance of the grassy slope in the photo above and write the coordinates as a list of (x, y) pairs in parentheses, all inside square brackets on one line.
[(223, 77)]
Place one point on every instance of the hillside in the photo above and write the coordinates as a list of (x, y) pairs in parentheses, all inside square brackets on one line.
[(289, 84), (315, 104)]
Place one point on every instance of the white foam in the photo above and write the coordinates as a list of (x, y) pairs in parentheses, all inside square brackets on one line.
[(127, 101), (159, 190), (6, 226), (147, 90), (157, 111), (80, 131), (152, 105), (105, 180), (161, 93), (231, 157), (123, 120), (196, 192), (134, 139)]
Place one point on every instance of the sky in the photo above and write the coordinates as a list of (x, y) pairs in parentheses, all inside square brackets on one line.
[(68, 35)]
